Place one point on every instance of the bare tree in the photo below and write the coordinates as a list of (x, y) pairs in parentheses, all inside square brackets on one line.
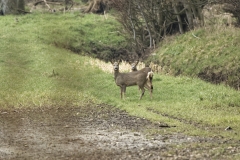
[(149, 21)]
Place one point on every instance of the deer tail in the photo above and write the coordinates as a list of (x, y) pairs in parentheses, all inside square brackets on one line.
[(149, 78)]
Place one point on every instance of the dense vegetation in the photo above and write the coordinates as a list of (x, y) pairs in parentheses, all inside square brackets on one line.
[(38, 69)]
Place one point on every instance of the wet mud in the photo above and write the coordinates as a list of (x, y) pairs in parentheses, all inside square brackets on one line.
[(98, 132)]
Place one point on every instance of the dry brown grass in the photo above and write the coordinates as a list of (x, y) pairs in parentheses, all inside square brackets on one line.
[(107, 67), (124, 66)]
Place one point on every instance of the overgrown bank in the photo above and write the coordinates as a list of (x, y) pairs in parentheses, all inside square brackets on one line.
[(211, 54), (84, 34)]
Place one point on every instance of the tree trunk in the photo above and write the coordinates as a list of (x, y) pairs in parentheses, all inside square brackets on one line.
[(146, 23), (198, 17), (175, 8), (20, 5), (189, 13), (97, 6), (12, 6), (3, 7)]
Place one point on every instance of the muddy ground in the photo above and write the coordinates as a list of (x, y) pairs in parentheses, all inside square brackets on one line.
[(98, 132)]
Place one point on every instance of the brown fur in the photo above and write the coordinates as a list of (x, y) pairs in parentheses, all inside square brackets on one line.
[(139, 78), (149, 76)]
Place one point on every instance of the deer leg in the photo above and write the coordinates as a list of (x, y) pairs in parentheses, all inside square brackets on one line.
[(150, 88), (124, 91), (143, 90), (121, 92)]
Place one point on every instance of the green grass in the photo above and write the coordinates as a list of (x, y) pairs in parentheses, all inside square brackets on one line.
[(37, 71), (34, 71), (194, 106)]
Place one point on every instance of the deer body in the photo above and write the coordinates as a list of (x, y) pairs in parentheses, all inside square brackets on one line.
[(139, 78), (134, 69)]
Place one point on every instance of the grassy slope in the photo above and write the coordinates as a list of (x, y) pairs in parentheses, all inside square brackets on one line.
[(36, 73), (211, 53)]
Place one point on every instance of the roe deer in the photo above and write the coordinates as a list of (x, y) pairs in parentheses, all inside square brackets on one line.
[(134, 65), (139, 78), (134, 68)]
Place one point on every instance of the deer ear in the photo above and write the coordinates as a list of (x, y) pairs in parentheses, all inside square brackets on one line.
[(112, 61)]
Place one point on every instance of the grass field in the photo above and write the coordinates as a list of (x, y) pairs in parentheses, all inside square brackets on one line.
[(39, 69)]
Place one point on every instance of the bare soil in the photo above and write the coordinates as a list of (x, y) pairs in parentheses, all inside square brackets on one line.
[(99, 132)]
